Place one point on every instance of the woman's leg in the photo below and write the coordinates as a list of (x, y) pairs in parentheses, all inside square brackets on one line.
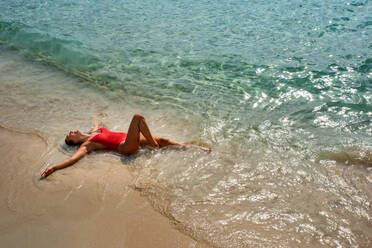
[(132, 143), (164, 142)]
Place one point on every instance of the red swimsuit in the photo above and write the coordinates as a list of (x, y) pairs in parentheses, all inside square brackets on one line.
[(109, 139)]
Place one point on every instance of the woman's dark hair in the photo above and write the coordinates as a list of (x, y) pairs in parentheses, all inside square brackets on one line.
[(71, 143)]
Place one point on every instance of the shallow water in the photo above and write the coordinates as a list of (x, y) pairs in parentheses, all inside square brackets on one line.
[(280, 91)]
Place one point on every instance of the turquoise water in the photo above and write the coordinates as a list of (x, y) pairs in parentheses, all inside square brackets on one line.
[(252, 61), (270, 86)]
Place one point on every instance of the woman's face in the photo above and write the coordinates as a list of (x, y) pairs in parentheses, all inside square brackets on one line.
[(74, 136)]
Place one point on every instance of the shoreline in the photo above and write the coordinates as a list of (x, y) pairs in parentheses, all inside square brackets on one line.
[(252, 191), (40, 212)]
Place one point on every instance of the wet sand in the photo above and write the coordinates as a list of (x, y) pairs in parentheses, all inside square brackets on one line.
[(70, 209)]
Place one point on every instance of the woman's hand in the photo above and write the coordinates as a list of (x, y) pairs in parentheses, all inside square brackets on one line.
[(96, 124), (47, 172)]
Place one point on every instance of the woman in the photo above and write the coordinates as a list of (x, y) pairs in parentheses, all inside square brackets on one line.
[(138, 135)]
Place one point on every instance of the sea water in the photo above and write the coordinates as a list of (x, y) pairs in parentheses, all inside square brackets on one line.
[(281, 91)]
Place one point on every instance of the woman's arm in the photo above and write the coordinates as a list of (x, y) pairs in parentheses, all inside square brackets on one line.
[(77, 155), (95, 126)]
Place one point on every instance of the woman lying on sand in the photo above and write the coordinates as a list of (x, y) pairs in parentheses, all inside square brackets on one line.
[(138, 135)]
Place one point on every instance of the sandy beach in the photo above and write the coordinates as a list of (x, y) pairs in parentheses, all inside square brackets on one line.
[(61, 212)]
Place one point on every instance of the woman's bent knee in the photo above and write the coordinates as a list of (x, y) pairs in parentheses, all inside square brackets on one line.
[(138, 116)]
